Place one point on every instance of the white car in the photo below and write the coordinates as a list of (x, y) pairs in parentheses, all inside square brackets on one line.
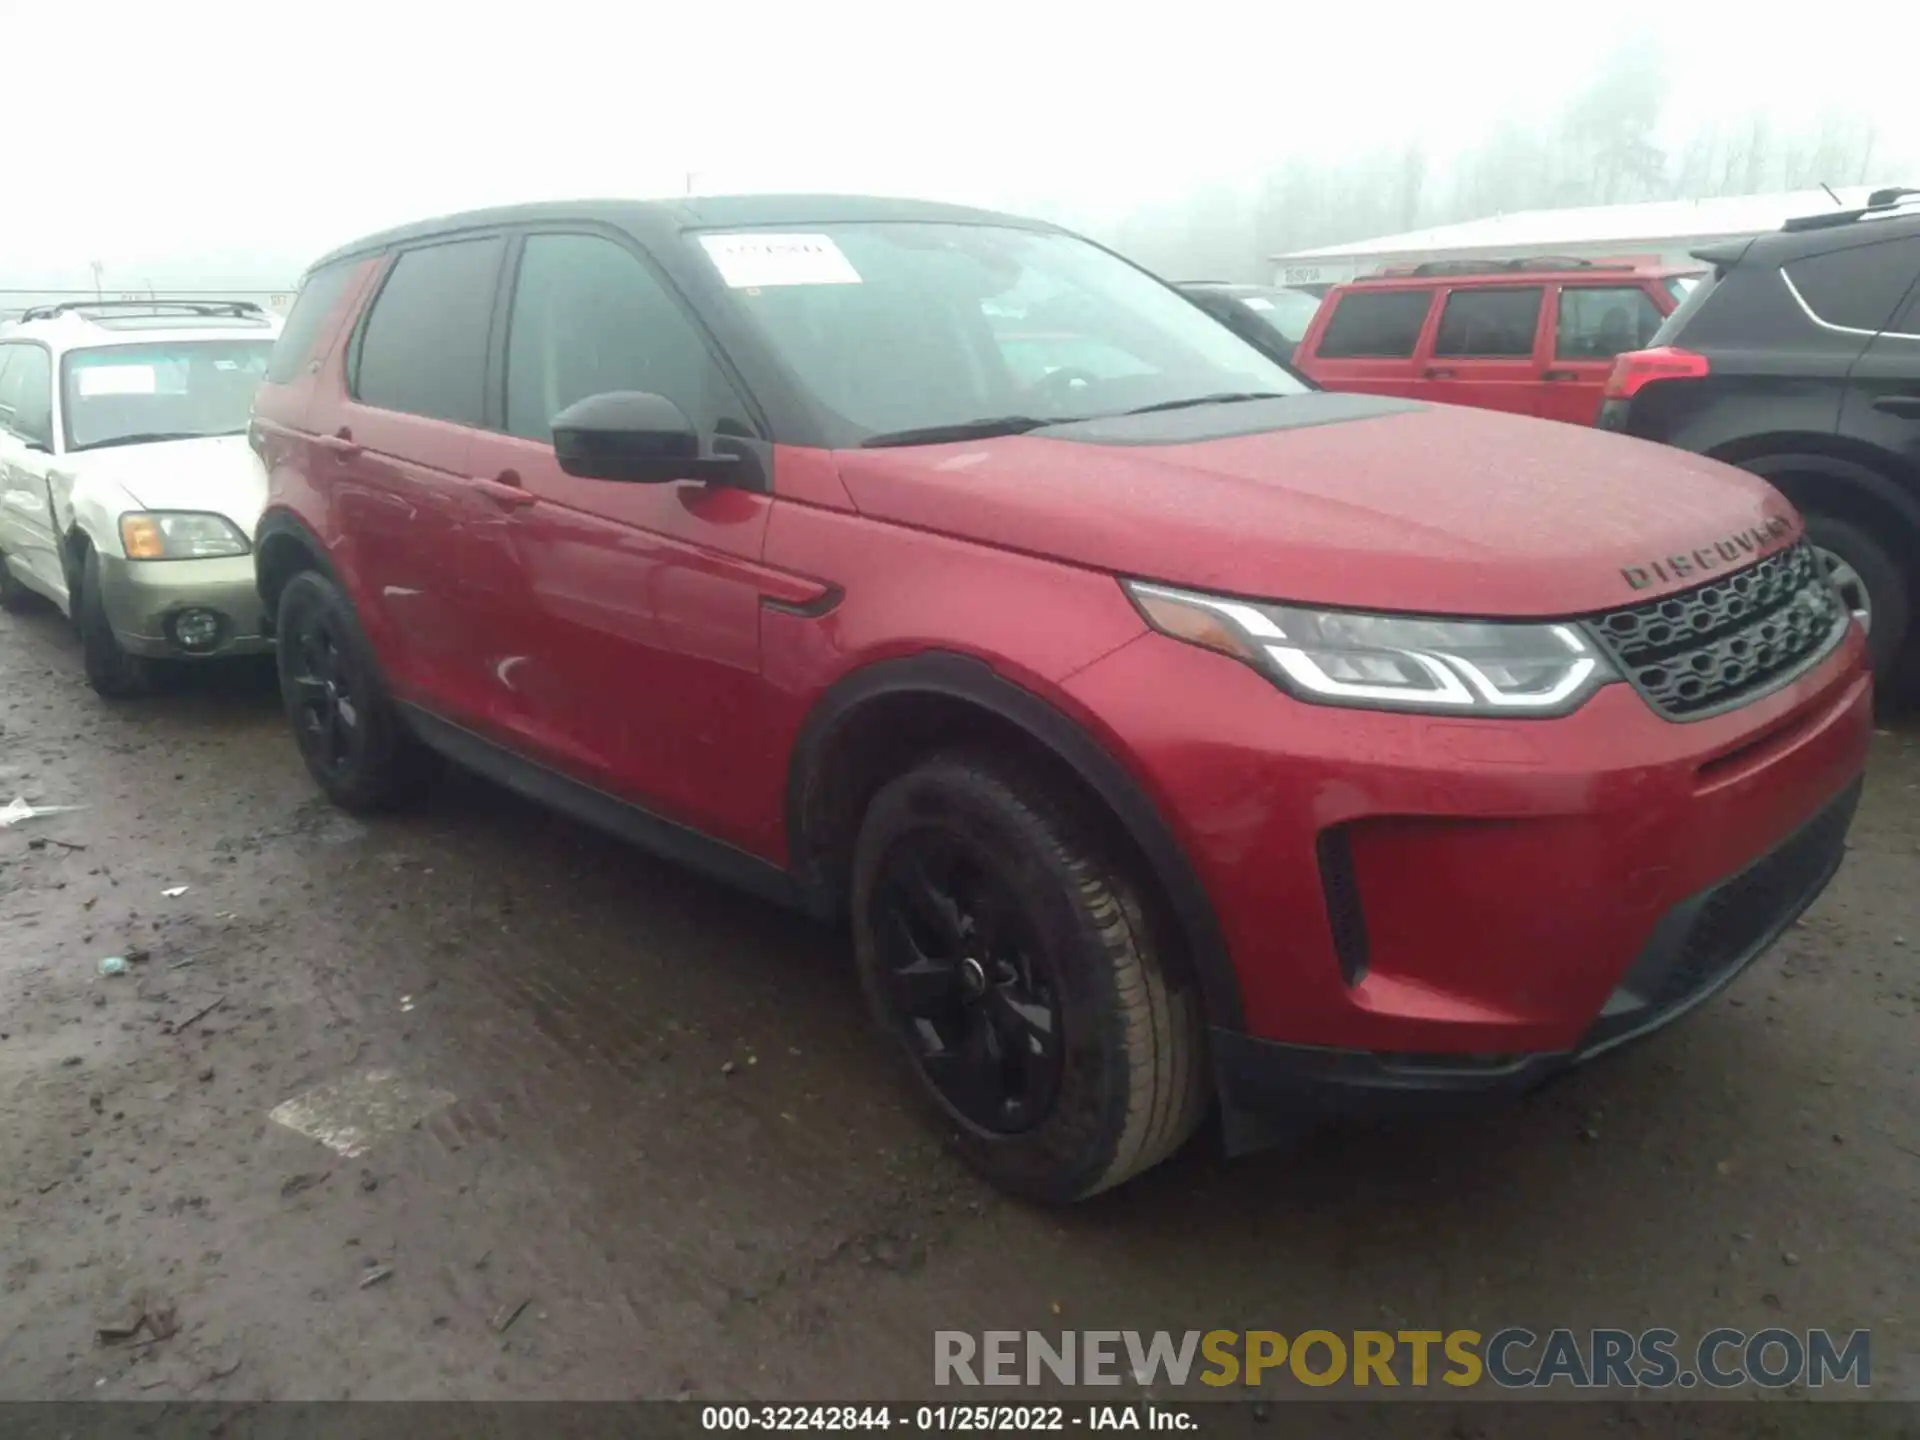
[(129, 491)]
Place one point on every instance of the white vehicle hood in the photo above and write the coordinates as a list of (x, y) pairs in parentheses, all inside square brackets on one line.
[(219, 474)]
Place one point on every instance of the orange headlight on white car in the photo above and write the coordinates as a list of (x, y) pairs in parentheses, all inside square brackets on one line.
[(180, 535)]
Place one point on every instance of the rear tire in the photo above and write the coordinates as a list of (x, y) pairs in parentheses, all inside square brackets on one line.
[(1028, 916), (1872, 578), (348, 730), (111, 671)]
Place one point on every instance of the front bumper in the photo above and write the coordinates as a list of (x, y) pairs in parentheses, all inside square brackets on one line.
[(1696, 949), (143, 599), (1474, 896)]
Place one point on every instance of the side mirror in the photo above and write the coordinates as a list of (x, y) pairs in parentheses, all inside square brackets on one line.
[(632, 436)]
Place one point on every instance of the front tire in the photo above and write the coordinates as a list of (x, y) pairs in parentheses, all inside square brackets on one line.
[(13, 595), (1873, 585), (111, 671), (348, 730), (1014, 960)]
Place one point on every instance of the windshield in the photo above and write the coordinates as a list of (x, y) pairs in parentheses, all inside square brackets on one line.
[(1288, 311), (895, 328), (167, 390)]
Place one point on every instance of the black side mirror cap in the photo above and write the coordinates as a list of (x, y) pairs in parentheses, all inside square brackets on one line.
[(635, 437)]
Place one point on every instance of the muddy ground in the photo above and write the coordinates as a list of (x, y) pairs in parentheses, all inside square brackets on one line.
[(637, 1141)]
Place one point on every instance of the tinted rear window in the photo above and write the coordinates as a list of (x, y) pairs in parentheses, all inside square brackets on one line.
[(1382, 324), (1858, 287), (424, 348), (1491, 323), (1690, 302), (311, 311)]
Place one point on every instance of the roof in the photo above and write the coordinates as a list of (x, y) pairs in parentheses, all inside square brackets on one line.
[(1652, 226), (69, 326), (659, 218)]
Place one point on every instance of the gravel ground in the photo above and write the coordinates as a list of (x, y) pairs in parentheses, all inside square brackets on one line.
[(599, 1129)]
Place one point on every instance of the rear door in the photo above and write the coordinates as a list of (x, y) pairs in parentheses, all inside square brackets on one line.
[(1489, 349), (1593, 324), (405, 505), (1883, 401), (1366, 340)]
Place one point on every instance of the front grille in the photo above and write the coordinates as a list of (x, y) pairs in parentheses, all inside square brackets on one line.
[(1725, 642), (1739, 916)]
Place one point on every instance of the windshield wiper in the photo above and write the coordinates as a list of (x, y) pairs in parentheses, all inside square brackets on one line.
[(982, 429), (148, 438), (1231, 397)]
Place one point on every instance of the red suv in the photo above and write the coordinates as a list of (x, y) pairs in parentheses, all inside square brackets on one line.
[(1167, 731), (1537, 337)]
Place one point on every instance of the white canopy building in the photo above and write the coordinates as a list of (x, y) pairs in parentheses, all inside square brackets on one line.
[(1663, 231)]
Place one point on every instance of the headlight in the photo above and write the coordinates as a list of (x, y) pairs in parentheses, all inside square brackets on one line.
[(178, 535), (1341, 657)]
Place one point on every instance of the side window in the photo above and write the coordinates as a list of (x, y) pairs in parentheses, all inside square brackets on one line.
[(1857, 288), (1598, 323), (1908, 321), (423, 349), (7, 352), (1489, 322), (588, 317), (26, 394), (1382, 324), (310, 312)]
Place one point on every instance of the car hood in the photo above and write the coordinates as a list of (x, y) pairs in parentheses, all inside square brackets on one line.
[(219, 473), (1344, 500)]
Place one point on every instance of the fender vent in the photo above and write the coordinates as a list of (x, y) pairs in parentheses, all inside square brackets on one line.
[(1344, 915)]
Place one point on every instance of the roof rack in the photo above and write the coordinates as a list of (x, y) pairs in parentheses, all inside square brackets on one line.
[(1891, 197), (1520, 265), (239, 309)]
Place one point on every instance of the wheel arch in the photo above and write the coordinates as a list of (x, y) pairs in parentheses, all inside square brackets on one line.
[(284, 546), (1837, 477), (872, 724)]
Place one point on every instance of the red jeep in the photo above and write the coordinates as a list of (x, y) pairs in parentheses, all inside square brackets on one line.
[(1536, 337), (1166, 731)]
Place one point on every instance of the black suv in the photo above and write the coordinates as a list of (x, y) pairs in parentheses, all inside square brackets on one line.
[(1799, 359)]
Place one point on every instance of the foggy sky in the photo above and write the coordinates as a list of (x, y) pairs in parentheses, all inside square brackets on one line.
[(241, 140)]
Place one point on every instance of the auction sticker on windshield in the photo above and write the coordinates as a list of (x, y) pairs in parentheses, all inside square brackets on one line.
[(117, 380), (755, 261)]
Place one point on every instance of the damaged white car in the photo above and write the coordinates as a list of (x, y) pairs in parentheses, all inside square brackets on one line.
[(128, 490)]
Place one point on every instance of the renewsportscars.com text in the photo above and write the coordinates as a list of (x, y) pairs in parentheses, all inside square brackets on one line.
[(1512, 1358)]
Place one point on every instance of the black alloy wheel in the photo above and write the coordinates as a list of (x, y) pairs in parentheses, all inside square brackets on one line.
[(973, 992), (326, 711)]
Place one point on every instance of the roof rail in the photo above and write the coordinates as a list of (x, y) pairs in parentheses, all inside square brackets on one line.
[(235, 308), (1517, 266), (1890, 197)]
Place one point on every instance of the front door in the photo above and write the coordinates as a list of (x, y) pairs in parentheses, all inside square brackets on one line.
[(644, 600), (1487, 350), (1592, 324), (29, 530)]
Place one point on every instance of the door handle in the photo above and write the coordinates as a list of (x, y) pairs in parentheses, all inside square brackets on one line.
[(340, 443), (1562, 375), (505, 490), (1434, 374), (1905, 406)]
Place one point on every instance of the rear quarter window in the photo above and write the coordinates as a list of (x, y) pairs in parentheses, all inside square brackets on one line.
[(1690, 302), (1375, 324), (1857, 288), (311, 311)]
